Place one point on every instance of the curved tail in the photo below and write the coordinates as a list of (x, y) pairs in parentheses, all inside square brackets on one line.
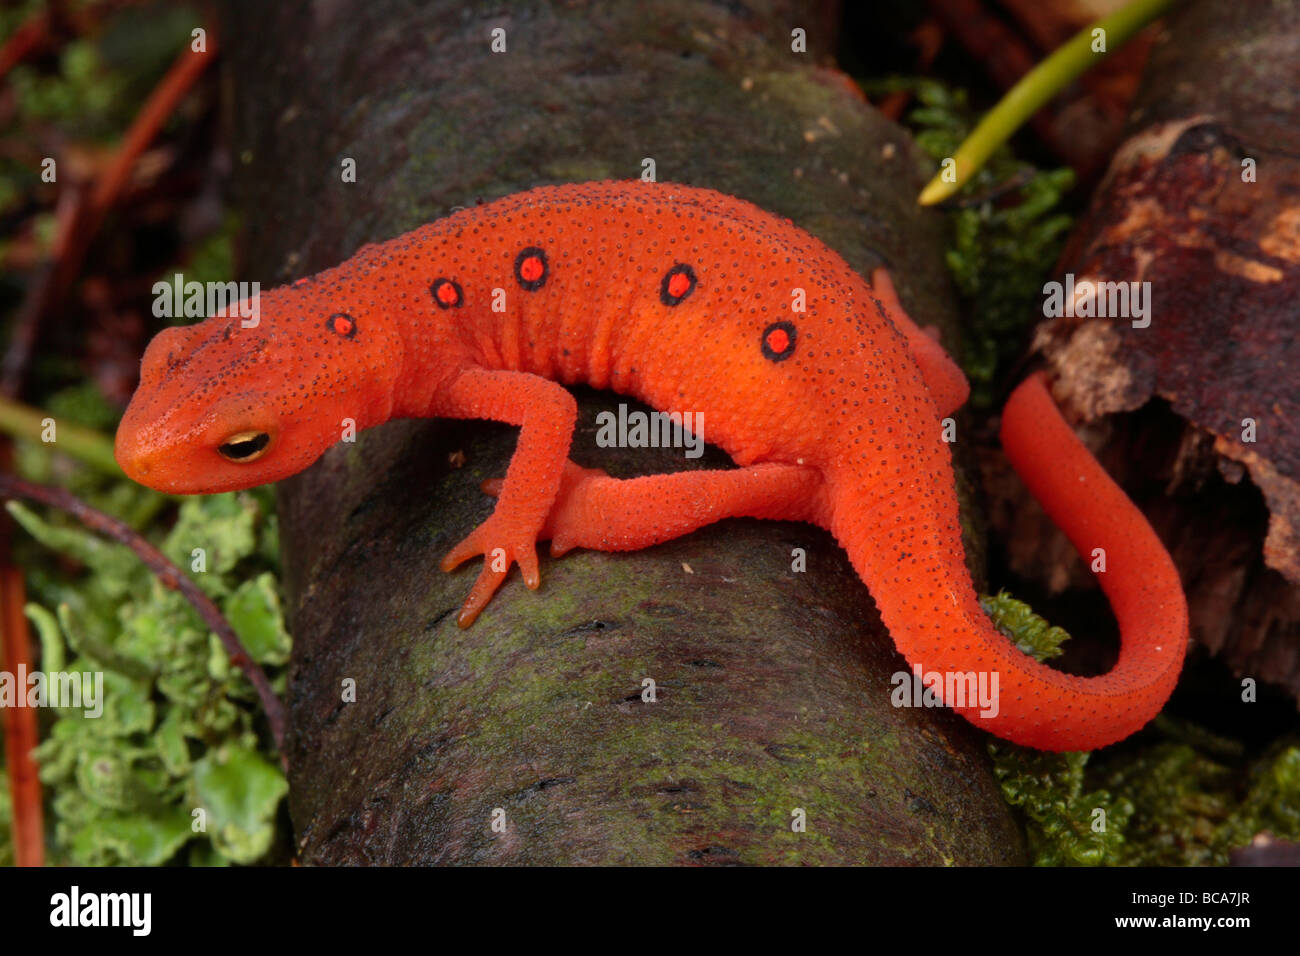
[(912, 561)]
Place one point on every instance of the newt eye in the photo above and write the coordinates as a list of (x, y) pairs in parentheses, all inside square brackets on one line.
[(244, 447)]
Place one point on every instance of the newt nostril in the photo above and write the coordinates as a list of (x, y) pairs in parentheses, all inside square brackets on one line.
[(129, 455)]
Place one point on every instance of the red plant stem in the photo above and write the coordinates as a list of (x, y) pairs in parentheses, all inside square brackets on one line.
[(24, 41), (161, 104), (20, 726)]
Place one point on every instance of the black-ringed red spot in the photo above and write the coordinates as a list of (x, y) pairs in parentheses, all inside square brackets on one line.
[(678, 283), (531, 269), (340, 323), (778, 341), (447, 294)]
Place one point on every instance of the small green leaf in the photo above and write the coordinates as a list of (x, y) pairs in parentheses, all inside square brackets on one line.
[(53, 649), (254, 612), (115, 566), (89, 637), (127, 707), (104, 777), (169, 739), (240, 792), (216, 532), (131, 839)]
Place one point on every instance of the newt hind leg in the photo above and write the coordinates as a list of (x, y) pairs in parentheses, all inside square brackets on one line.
[(942, 375), (600, 513)]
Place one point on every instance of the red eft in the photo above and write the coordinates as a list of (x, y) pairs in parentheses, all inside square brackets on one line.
[(683, 298)]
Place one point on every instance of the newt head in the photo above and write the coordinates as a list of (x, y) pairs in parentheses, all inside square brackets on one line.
[(222, 406)]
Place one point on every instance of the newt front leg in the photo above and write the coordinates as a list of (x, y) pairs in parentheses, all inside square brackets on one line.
[(545, 413)]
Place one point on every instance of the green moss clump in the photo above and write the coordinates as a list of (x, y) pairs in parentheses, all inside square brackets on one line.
[(1031, 633), (1194, 808), (178, 767), (1065, 823), (1186, 798)]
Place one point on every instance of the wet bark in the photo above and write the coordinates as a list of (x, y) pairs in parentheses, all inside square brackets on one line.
[(771, 687)]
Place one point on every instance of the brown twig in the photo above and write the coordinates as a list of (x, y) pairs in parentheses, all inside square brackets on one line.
[(26, 40), (20, 726), (80, 216), (171, 577), (161, 104)]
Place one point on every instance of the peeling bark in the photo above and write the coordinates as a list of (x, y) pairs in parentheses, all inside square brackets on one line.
[(1221, 251)]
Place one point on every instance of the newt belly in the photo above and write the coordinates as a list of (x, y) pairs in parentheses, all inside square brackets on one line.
[(825, 393)]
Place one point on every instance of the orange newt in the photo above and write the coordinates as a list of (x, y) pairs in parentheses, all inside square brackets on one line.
[(683, 298)]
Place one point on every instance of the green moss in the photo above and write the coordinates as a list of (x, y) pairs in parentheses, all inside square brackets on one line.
[(1167, 803), (178, 767), (1066, 824), (100, 82), (81, 89), (1031, 633), (1186, 798), (1194, 808), (578, 169)]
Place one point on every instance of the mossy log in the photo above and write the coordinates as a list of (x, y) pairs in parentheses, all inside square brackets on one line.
[(772, 687)]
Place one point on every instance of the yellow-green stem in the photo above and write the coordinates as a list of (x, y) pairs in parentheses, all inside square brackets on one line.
[(1035, 88), (83, 444)]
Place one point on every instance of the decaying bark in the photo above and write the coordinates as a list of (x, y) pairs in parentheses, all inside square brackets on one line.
[(772, 687), (1201, 202)]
